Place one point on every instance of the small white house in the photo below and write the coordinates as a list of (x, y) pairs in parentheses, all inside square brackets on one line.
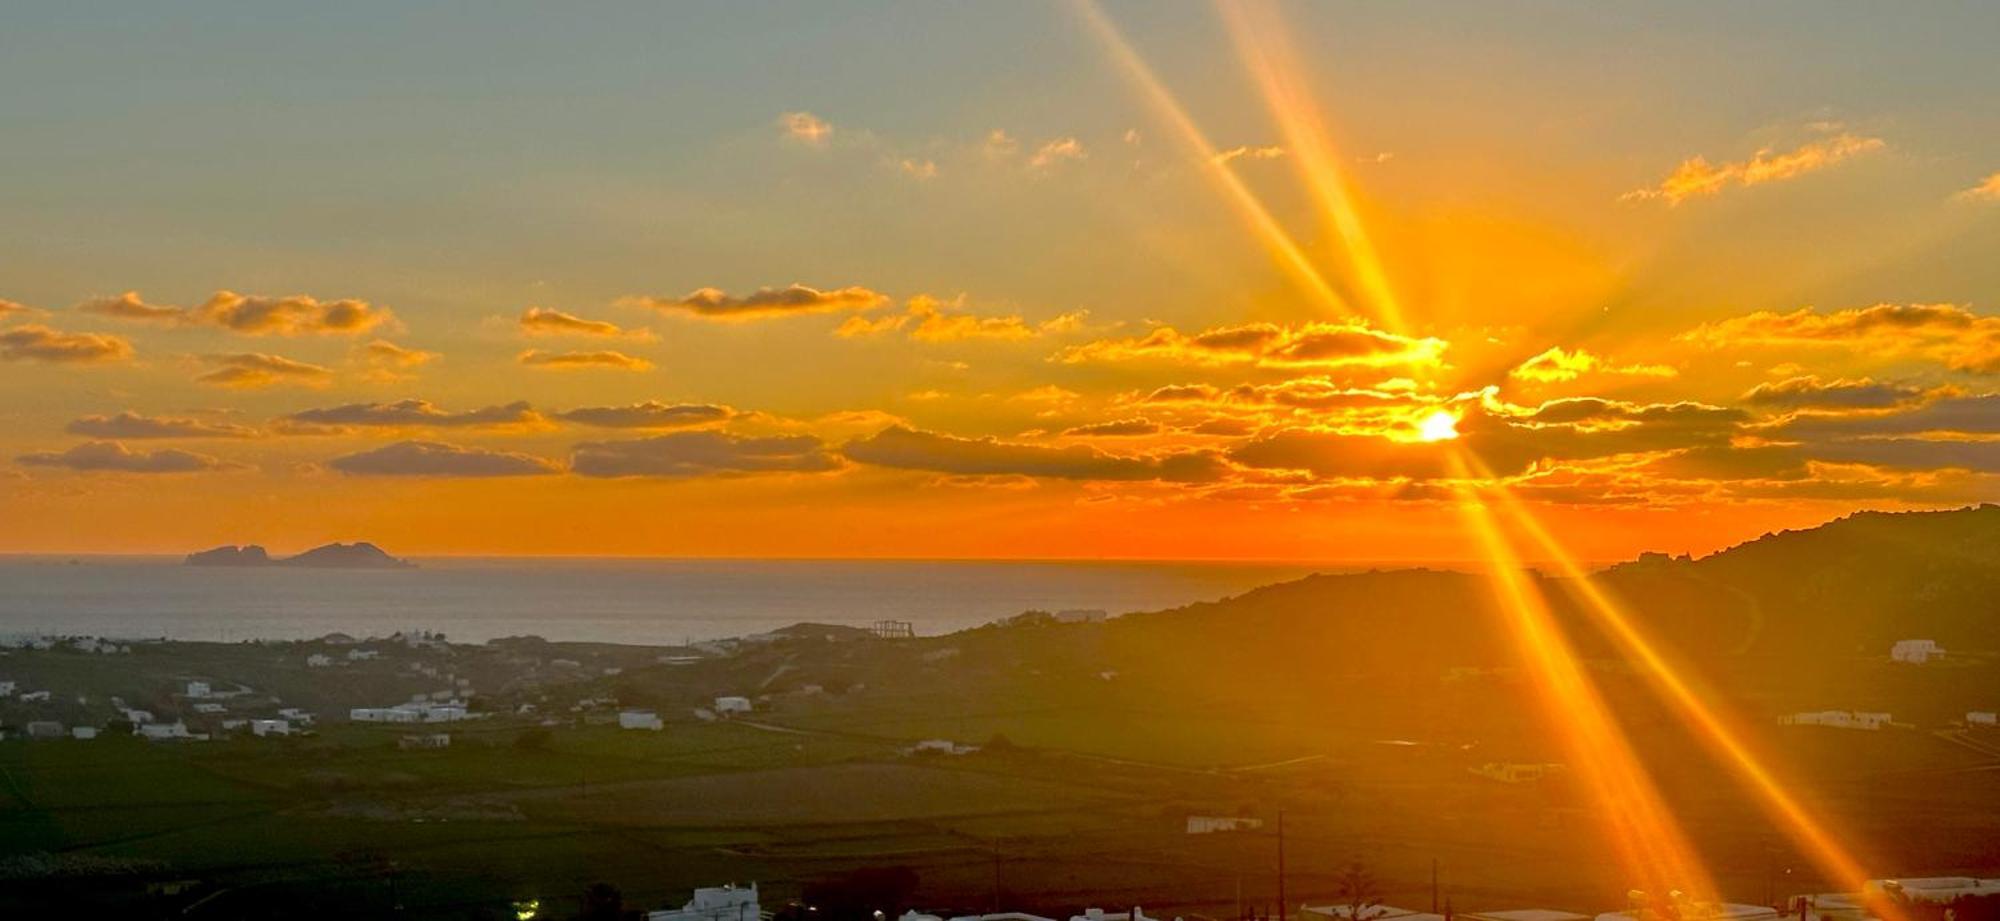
[(6, 688), (197, 689), (432, 740), (1915, 652), (296, 715), (270, 728), (1837, 719), (34, 696), (1213, 824), (210, 708), (640, 719), (1982, 718), (46, 729), (362, 655), (156, 732), (318, 660), (137, 717), (716, 903), (730, 706), (385, 715), (83, 732)]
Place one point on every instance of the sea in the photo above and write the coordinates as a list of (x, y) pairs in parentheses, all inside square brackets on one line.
[(650, 601)]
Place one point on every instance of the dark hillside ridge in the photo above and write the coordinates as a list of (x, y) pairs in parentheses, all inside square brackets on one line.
[(359, 555)]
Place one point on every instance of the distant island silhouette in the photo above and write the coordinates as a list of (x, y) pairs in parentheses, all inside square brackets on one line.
[(358, 555)]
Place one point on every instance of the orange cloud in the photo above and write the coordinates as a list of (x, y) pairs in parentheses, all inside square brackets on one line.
[(437, 459), (806, 128), (112, 457), (1698, 178), (35, 342), (1558, 364), (906, 448), (563, 361), (1988, 189), (538, 321), (1057, 151), (930, 319), (764, 303), (651, 414), (1266, 345), (256, 370), (255, 315), (129, 424), (1248, 153), (690, 454), (1957, 337)]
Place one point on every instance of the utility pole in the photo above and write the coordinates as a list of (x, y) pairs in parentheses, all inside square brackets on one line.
[(1284, 912)]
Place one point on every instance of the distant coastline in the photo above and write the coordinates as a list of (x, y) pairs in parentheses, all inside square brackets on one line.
[(359, 555)]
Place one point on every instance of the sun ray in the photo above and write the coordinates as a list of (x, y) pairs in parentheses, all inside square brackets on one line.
[(1248, 206), (1819, 844)]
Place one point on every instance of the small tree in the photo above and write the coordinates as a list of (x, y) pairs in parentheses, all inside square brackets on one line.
[(1358, 890)]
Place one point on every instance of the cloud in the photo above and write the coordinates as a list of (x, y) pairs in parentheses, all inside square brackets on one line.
[(1811, 392), (35, 342), (538, 321), (649, 415), (1697, 178), (417, 413), (1947, 333), (1266, 345), (8, 307), (254, 315), (806, 128), (112, 457), (1988, 189), (437, 459), (1558, 364), (918, 169), (1117, 428), (1001, 144), (386, 362), (1248, 153), (929, 319), (691, 454), (1060, 150), (563, 361), (905, 448), (255, 370), (764, 303), (129, 424)]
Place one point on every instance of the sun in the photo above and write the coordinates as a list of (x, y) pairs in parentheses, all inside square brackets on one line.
[(1438, 426)]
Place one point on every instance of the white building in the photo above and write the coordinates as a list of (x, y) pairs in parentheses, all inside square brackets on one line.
[(6, 688), (718, 903), (361, 655), (270, 728), (1837, 719), (138, 717), (433, 740), (385, 715), (1369, 913), (1212, 824), (296, 715), (34, 696), (210, 708), (730, 706), (197, 689), (46, 729), (318, 660), (155, 732), (83, 732), (640, 719), (1915, 652), (1982, 718)]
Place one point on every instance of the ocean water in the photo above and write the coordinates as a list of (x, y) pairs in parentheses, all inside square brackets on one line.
[(618, 601)]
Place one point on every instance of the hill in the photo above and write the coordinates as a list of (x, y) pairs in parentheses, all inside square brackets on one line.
[(359, 555)]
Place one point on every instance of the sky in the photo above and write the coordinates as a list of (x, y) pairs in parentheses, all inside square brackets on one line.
[(1032, 280)]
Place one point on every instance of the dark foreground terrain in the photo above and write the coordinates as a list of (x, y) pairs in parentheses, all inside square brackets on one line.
[(1377, 711)]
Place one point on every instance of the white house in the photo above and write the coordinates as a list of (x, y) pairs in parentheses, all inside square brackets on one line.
[(1915, 652), (137, 717), (270, 728), (1982, 718), (385, 715), (295, 714), (1211, 824), (433, 740), (640, 719), (154, 732), (940, 747), (83, 732), (6, 688), (210, 708), (717, 903), (1838, 719), (318, 660), (446, 713), (46, 729), (361, 655), (197, 689), (34, 696), (729, 706)]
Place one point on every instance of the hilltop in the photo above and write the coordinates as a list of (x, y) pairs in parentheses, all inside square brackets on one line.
[(359, 555)]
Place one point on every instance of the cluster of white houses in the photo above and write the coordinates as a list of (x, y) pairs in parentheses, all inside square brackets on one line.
[(732, 903)]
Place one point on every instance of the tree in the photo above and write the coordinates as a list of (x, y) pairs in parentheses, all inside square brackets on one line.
[(1359, 891)]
